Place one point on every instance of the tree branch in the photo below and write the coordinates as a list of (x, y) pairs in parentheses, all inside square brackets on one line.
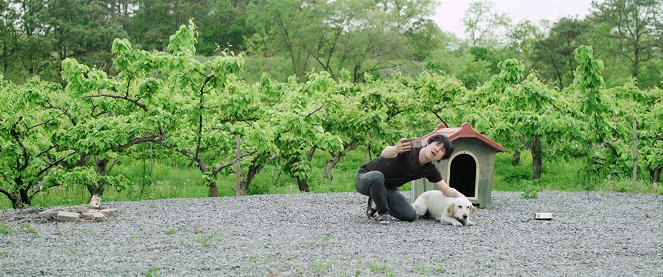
[(248, 119), (16, 136), (228, 164), (137, 140), (65, 112), (7, 193), (134, 101), (126, 93), (201, 165), (40, 124), (5, 177), (46, 150), (57, 162), (319, 108), (200, 115)]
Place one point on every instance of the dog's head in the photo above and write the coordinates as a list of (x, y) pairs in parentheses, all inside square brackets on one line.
[(461, 208)]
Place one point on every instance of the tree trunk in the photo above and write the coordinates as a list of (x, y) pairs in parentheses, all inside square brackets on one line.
[(311, 152), (19, 199), (9, 195), (515, 160), (536, 158), (303, 184), (254, 169), (16, 200), (238, 167), (99, 187), (336, 159), (213, 189), (25, 199), (655, 175), (634, 174), (636, 61), (330, 165)]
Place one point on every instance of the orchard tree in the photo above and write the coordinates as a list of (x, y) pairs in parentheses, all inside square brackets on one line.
[(538, 115), (483, 106), (595, 140), (208, 110), (434, 100), (29, 133), (293, 113), (370, 114), (645, 108), (651, 137), (109, 116), (298, 120), (196, 109)]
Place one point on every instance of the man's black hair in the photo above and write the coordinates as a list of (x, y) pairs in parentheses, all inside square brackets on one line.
[(444, 140)]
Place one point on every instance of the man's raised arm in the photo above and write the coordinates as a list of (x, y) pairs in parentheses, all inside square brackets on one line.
[(392, 151), (447, 190)]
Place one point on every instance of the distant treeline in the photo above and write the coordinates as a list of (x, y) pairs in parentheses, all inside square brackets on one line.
[(294, 37)]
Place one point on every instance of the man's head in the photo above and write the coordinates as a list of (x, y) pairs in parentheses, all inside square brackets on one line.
[(440, 147)]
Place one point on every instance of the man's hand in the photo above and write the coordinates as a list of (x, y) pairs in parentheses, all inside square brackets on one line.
[(403, 145), (447, 190)]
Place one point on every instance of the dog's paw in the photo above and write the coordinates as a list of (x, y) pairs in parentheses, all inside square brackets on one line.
[(456, 224), (469, 223)]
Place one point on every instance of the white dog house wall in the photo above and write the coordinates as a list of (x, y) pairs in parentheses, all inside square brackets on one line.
[(469, 169)]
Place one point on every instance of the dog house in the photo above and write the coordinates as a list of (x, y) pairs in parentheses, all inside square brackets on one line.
[(470, 167)]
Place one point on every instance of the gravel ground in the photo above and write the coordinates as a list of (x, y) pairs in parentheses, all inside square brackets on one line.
[(310, 234)]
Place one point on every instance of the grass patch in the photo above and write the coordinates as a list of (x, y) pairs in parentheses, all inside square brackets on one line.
[(380, 268), (152, 272), (6, 229), (319, 266), (28, 228), (531, 191), (324, 241), (440, 268)]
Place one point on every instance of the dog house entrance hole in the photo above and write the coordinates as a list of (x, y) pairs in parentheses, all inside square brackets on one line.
[(463, 174)]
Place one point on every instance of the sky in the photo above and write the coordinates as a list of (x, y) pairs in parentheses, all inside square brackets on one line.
[(449, 14)]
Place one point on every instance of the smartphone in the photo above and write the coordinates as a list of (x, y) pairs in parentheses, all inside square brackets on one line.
[(415, 142)]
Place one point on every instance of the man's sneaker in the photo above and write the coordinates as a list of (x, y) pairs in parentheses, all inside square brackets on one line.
[(384, 219), (371, 208)]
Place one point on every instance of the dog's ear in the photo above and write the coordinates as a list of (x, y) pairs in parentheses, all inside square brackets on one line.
[(450, 209), (474, 209)]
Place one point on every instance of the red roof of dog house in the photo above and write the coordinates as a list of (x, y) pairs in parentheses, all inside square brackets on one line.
[(464, 131)]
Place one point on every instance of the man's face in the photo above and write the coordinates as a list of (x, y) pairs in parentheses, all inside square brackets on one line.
[(434, 151)]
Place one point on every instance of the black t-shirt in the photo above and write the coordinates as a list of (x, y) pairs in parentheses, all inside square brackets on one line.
[(402, 169)]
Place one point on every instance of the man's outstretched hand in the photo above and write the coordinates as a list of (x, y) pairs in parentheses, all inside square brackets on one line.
[(404, 145)]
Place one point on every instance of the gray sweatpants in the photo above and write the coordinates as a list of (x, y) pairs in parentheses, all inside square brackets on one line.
[(389, 200)]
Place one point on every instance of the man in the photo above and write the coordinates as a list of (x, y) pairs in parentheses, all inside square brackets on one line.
[(398, 164)]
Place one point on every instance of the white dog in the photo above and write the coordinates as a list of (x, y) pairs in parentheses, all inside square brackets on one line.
[(450, 210)]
